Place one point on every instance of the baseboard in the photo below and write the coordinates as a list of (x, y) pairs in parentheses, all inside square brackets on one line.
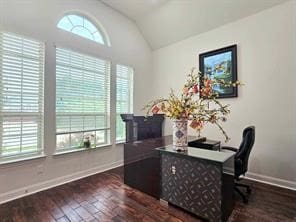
[(25, 191), (272, 181)]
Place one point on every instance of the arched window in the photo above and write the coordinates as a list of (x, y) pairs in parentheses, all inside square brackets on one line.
[(81, 26)]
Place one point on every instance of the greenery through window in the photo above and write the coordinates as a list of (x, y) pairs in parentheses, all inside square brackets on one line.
[(82, 100), (81, 26), (124, 98)]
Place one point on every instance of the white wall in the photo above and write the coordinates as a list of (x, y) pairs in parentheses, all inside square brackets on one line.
[(266, 64), (37, 19)]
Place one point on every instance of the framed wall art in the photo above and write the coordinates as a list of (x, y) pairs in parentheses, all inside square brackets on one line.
[(220, 64)]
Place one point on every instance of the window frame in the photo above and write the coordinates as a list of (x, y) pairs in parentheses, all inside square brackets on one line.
[(107, 129), (38, 115), (100, 29), (130, 98)]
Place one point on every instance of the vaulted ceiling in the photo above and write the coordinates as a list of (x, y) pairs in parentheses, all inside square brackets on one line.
[(163, 22)]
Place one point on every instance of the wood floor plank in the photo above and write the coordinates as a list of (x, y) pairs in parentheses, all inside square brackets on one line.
[(71, 214), (84, 214), (102, 217), (105, 198), (63, 219)]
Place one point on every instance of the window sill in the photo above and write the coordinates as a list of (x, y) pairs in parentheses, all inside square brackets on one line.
[(62, 152), (120, 142), (11, 160)]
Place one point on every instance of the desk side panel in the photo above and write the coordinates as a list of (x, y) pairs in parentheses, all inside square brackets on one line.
[(227, 188), (142, 165)]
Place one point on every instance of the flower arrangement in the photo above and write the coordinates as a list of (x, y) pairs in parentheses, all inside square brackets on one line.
[(87, 141), (198, 103)]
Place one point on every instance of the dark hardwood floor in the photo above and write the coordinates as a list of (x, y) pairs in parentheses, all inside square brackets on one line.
[(104, 197)]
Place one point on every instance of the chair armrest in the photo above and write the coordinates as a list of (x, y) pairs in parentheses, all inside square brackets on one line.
[(229, 148)]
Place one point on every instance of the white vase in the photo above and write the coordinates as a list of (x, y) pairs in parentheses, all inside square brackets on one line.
[(180, 134)]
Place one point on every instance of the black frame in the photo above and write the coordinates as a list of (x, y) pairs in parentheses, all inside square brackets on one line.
[(233, 50)]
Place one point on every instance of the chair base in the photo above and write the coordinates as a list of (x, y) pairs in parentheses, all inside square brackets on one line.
[(244, 196)]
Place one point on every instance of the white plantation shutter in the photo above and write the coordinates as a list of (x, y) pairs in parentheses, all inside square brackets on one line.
[(124, 97), (82, 99), (21, 95)]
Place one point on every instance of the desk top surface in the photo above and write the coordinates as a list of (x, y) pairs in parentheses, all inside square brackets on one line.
[(205, 154), (164, 144), (158, 141)]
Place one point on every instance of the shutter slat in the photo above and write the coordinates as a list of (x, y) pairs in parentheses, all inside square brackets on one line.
[(82, 96), (124, 97), (21, 95)]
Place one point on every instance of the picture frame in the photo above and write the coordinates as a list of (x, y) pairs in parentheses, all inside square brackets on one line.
[(222, 64)]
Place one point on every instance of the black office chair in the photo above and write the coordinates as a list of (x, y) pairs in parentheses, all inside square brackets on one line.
[(241, 159)]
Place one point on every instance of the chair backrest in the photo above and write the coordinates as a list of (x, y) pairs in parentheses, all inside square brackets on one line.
[(243, 153)]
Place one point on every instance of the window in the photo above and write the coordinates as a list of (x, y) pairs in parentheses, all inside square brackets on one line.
[(21, 95), (82, 100), (124, 98), (81, 26)]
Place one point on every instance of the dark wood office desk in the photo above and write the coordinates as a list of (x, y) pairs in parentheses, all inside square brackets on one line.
[(142, 164), (144, 167), (200, 181)]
